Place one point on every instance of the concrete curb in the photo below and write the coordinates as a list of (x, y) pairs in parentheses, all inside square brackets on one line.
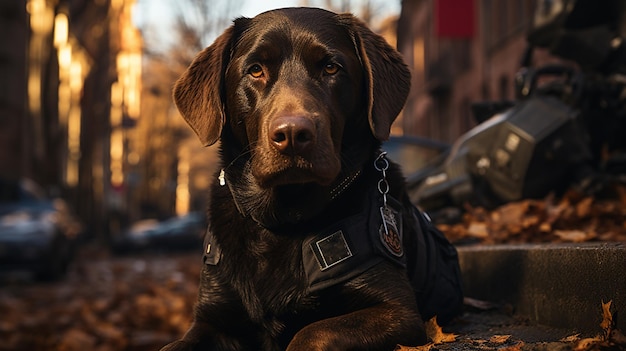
[(559, 285)]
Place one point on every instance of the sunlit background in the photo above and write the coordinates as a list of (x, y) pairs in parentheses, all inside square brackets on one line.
[(104, 188), (86, 109)]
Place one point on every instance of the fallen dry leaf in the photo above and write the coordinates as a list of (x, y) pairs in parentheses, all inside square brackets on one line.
[(575, 236), (607, 318), (610, 339), (571, 338), (478, 230), (426, 347), (586, 344), (499, 339), (436, 334), (583, 208)]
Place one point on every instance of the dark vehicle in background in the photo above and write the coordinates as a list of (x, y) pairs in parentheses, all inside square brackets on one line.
[(37, 234), (174, 234), (417, 156), (566, 128)]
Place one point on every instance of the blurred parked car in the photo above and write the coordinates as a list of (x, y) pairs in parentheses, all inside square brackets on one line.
[(174, 234), (37, 234)]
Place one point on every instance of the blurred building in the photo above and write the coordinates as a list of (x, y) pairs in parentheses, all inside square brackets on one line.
[(460, 52)]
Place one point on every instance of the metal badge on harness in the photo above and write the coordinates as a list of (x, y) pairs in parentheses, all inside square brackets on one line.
[(390, 230), (331, 250)]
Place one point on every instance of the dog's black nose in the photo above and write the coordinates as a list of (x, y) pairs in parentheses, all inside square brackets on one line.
[(292, 135)]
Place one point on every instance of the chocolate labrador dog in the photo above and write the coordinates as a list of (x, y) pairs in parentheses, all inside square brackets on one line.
[(313, 243)]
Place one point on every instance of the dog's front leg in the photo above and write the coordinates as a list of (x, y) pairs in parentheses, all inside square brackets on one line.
[(203, 337), (194, 339), (376, 328)]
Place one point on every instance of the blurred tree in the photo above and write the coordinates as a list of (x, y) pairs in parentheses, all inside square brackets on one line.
[(161, 134)]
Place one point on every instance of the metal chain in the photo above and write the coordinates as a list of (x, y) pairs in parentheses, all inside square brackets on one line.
[(382, 165)]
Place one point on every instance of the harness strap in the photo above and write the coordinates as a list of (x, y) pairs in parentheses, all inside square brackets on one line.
[(342, 250)]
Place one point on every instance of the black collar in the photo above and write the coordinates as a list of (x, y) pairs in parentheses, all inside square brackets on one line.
[(339, 187)]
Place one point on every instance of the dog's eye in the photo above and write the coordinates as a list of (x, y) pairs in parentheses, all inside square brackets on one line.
[(331, 68), (256, 71)]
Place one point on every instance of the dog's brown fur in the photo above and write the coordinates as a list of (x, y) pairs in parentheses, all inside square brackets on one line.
[(300, 100)]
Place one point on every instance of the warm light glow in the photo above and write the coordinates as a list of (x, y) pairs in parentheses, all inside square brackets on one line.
[(41, 16), (182, 187), (71, 83), (65, 57), (76, 76), (117, 99), (134, 84), (73, 145), (117, 157), (117, 94), (117, 145), (129, 76), (125, 91), (116, 4), (61, 30), (73, 67), (34, 90), (41, 22), (418, 55)]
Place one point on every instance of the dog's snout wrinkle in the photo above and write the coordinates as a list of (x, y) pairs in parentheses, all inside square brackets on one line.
[(292, 135)]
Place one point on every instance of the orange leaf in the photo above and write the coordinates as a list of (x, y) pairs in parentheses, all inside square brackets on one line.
[(571, 338), (516, 347), (436, 334), (585, 344), (576, 236), (607, 318), (426, 347), (499, 339)]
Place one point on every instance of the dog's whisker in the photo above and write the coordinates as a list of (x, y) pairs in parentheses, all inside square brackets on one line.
[(247, 151)]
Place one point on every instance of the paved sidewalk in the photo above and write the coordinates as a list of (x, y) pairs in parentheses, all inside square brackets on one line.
[(560, 285), (540, 294), (496, 330)]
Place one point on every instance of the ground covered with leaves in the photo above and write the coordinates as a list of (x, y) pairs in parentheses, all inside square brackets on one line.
[(573, 217), (143, 302), (104, 304), (497, 330)]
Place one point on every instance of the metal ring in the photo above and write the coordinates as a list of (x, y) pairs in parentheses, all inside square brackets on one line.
[(381, 158), (380, 188)]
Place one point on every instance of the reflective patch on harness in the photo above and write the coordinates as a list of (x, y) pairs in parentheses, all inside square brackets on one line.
[(331, 250)]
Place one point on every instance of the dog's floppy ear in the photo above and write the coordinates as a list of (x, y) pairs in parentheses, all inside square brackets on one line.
[(387, 77), (198, 92)]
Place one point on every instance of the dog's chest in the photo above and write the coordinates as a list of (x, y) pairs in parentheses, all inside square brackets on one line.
[(267, 271)]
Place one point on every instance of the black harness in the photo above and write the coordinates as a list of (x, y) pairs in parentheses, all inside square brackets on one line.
[(344, 249)]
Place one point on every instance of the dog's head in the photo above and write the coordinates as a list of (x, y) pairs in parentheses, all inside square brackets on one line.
[(301, 94)]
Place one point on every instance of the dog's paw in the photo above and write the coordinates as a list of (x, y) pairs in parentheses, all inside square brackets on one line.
[(178, 345)]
